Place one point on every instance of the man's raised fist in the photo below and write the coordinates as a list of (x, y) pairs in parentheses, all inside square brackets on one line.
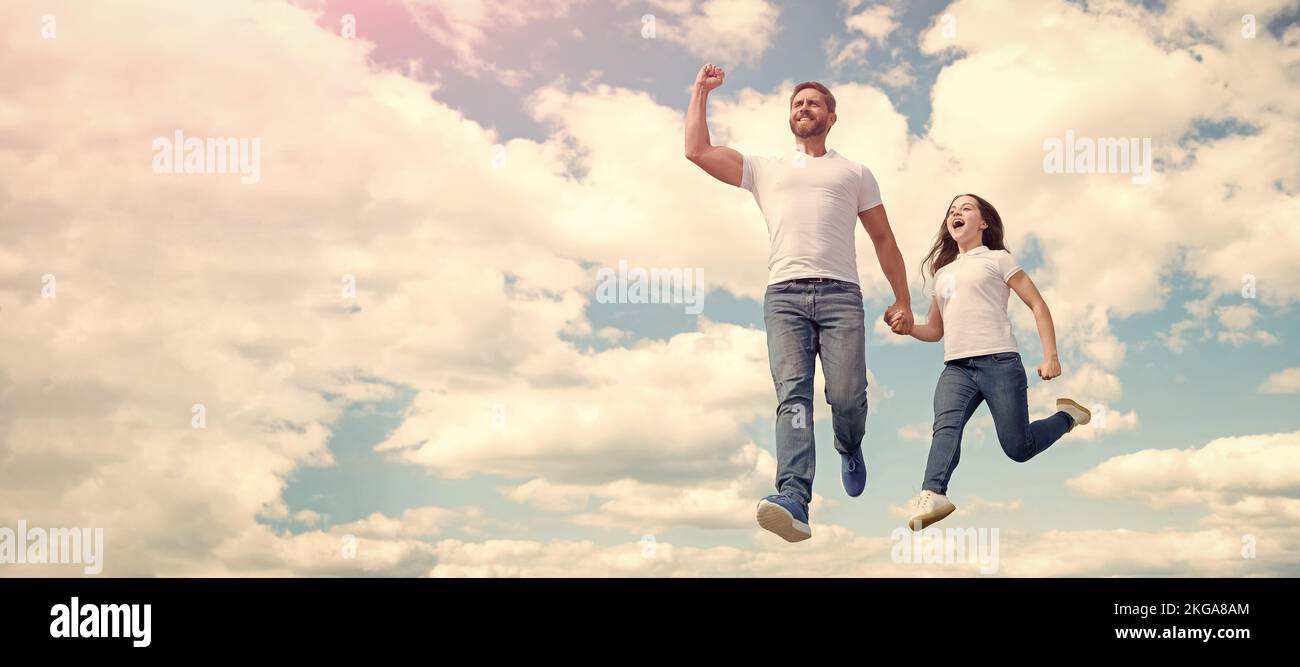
[(710, 77)]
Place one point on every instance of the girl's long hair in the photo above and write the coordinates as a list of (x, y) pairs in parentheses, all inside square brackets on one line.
[(945, 247)]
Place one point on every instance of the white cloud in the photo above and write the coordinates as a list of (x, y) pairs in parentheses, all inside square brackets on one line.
[(724, 31), (1236, 321), (836, 551), (1097, 342), (921, 432), (1175, 338), (259, 552), (1285, 381), (875, 22), (308, 517), (228, 296), (1238, 338), (872, 25), (898, 75), (656, 411), (1200, 308), (1096, 553), (1237, 317), (414, 523), (468, 27), (649, 508), (1246, 484), (1185, 204), (1225, 470), (976, 504), (550, 497)]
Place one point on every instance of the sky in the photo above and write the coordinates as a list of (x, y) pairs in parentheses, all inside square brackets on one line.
[(383, 353)]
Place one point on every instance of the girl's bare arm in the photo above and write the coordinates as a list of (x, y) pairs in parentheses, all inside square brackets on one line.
[(932, 330), (1028, 292)]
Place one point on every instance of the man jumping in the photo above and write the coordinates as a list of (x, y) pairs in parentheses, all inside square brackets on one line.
[(810, 199)]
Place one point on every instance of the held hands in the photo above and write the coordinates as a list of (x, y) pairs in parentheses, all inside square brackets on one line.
[(710, 77), (1050, 368), (899, 318)]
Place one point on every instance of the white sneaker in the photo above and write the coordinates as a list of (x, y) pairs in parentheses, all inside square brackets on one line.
[(930, 507), (1078, 413)]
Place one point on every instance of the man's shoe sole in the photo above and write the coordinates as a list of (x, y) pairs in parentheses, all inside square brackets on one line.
[(779, 520)]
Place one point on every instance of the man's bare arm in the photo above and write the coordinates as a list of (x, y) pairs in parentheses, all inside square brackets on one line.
[(722, 163), (891, 262)]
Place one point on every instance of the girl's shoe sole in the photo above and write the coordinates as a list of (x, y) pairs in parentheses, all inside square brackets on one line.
[(777, 519), (932, 518), (1080, 408)]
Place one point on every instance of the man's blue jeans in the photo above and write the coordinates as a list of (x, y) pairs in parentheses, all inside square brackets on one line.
[(804, 319), (999, 379)]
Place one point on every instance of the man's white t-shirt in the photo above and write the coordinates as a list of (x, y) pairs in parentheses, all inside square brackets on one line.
[(972, 291), (811, 205)]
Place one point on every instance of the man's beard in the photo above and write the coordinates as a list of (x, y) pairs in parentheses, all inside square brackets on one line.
[(815, 128)]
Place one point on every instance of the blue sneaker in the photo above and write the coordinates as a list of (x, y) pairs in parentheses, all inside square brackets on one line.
[(853, 470), (785, 517)]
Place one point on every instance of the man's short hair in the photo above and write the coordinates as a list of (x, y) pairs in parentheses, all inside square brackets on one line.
[(830, 99)]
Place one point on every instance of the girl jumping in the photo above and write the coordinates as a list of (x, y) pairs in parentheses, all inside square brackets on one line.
[(973, 277)]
